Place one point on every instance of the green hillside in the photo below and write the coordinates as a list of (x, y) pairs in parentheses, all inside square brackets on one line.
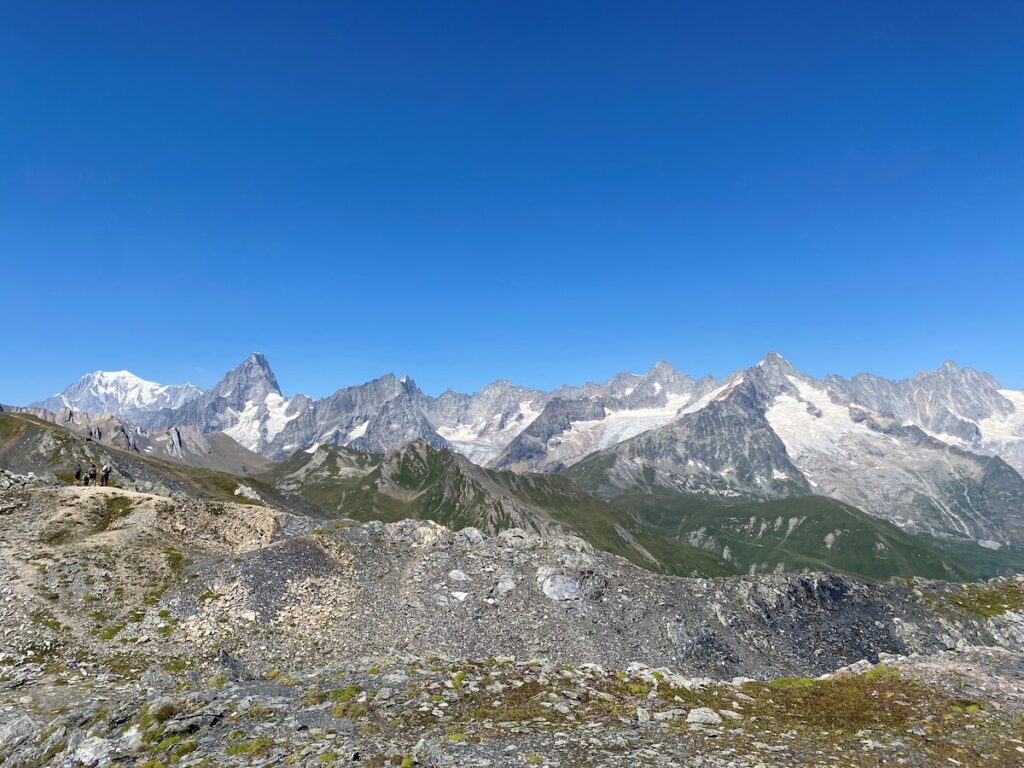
[(984, 562), (794, 534)]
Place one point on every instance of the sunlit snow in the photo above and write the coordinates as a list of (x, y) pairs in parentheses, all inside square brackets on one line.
[(260, 421)]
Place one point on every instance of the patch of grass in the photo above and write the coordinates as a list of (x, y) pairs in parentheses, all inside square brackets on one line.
[(342, 695), (258, 746), (169, 742), (161, 714), (879, 699), (116, 508), (184, 748), (783, 683), (991, 599), (46, 620), (351, 709), (112, 631), (176, 560)]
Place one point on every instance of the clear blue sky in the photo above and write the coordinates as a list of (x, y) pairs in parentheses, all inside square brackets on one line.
[(547, 192)]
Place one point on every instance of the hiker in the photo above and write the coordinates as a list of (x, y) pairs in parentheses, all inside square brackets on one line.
[(85, 477), (78, 474), (92, 474), (105, 474)]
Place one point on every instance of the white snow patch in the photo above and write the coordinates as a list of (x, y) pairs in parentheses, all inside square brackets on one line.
[(1008, 428), (482, 440), (260, 421), (804, 433), (357, 431)]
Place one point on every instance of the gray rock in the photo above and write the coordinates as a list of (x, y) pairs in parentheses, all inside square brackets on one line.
[(561, 587), (703, 716)]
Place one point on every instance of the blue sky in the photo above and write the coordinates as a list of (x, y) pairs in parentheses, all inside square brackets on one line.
[(547, 192)]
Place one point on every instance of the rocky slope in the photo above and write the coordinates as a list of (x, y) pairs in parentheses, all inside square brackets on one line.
[(143, 630), (29, 444), (187, 445)]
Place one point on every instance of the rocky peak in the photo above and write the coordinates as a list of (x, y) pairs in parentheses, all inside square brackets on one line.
[(770, 377), (252, 379), (776, 363)]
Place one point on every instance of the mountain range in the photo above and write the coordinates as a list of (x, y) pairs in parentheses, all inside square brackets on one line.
[(940, 453)]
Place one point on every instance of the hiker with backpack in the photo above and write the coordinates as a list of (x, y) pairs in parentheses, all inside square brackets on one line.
[(92, 474), (78, 474), (105, 474)]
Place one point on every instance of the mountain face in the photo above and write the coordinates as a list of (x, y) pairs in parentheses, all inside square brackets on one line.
[(578, 421), (959, 406), (246, 404), (771, 432), (476, 425), (727, 449), (380, 415), (119, 393)]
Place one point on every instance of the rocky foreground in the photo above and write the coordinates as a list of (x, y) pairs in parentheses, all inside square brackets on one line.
[(140, 630)]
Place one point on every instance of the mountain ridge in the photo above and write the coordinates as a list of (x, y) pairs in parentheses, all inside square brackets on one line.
[(927, 452)]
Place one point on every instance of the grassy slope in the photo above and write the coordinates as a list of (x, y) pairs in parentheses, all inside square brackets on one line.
[(795, 532), (986, 563)]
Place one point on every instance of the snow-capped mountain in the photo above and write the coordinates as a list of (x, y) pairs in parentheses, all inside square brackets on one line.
[(389, 412), (579, 421), (478, 425), (246, 404), (120, 393), (959, 406), (771, 431)]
